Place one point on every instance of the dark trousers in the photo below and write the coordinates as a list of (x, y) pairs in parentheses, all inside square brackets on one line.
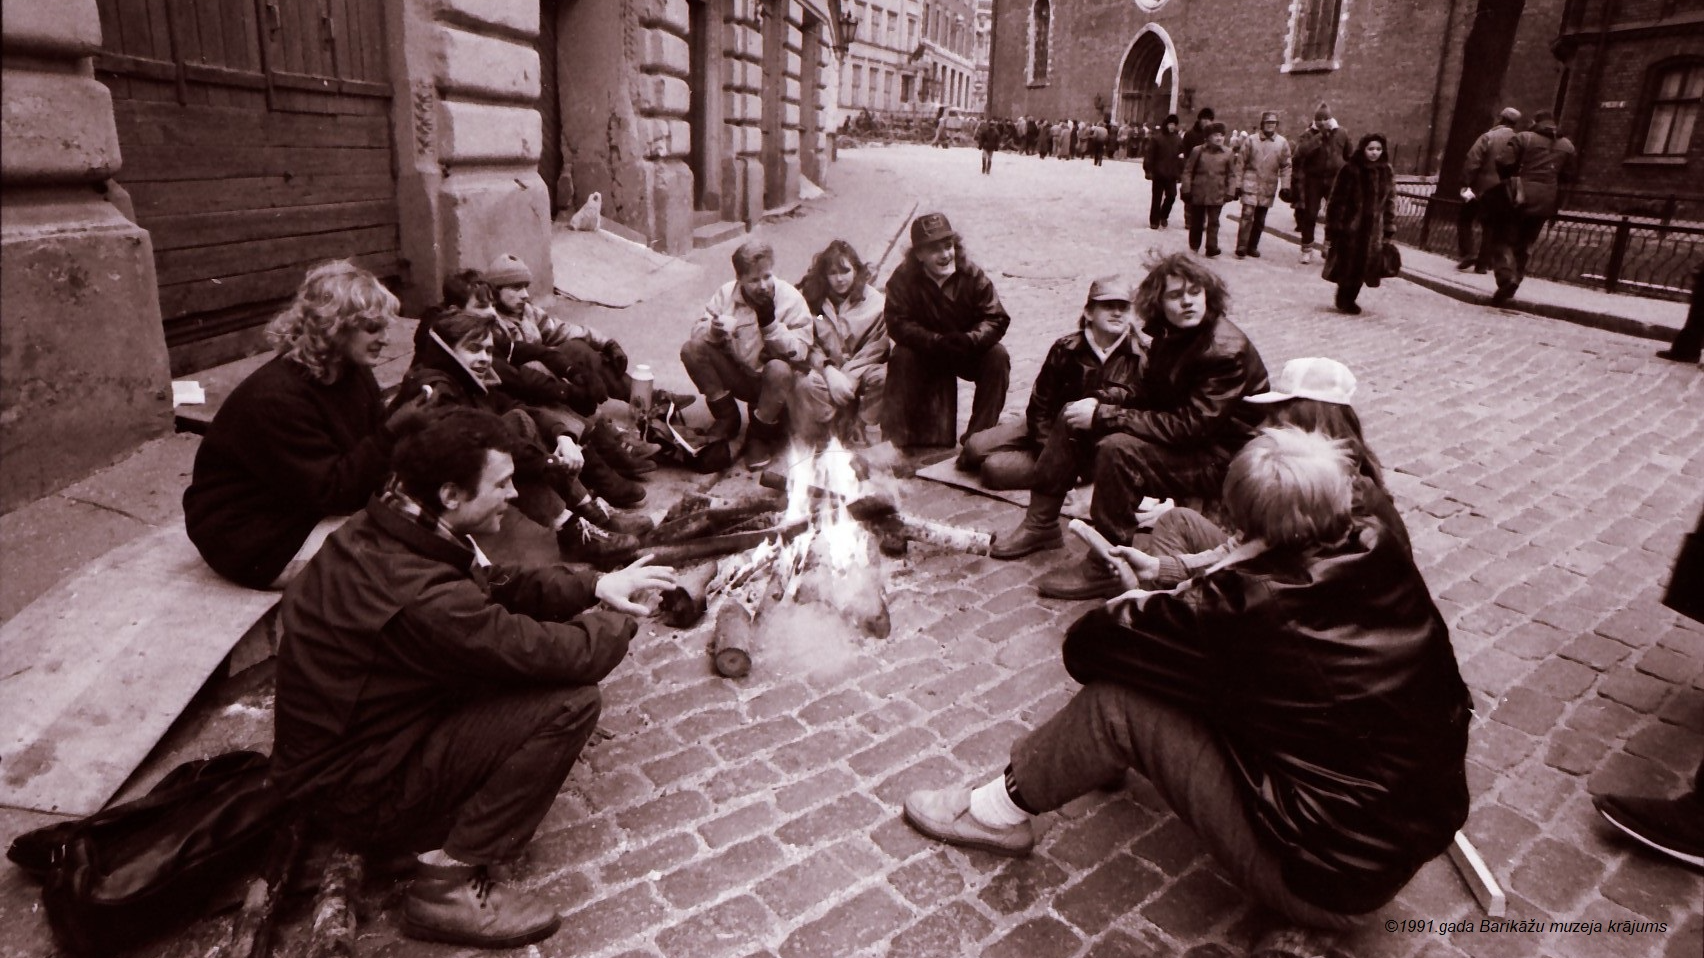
[(1252, 225), (1514, 237), (1347, 291), (482, 779), (1469, 214), (1690, 342), (921, 404), (1164, 194), (1097, 151), (1126, 468), (1308, 203), (987, 159), (1205, 222)]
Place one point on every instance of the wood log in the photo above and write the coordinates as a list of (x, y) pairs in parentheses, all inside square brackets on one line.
[(696, 502), (251, 931), (683, 553), (882, 515), (685, 604), (332, 932), (731, 640), (706, 522)]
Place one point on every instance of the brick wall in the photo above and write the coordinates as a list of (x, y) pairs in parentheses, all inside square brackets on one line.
[(1231, 56)]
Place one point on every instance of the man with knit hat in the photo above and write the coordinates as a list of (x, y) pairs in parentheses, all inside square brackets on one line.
[(1263, 161), (1481, 177), (1320, 152), (1193, 137), (1162, 162)]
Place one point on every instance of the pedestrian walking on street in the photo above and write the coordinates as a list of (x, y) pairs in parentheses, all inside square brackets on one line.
[(1360, 220), (1193, 137), (1163, 165), (1263, 165), (1209, 182), (1044, 139), (1540, 163), (1097, 142), (988, 140), (1483, 199), (1320, 152)]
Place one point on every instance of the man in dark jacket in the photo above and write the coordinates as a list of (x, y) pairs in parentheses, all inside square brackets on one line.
[(1298, 705), (1320, 153), (1482, 177), (1163, 164), (1172, 439), (946, 322), (429, 701), (1543, 162), (1100, 359), (1193, 137)]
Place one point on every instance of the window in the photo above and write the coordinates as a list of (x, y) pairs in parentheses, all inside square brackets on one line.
[(892, 29), (858, 85), (887, 83), (1677, 93), (910, 33), (1315, 29), (1041, 16), (906, 83)]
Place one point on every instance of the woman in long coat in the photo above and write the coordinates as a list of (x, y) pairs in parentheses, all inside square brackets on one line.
[(1360, 220)]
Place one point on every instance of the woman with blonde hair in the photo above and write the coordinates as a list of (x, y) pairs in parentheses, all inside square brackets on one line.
[(303, 438)]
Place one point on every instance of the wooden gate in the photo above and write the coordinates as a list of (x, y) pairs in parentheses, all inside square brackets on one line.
[(256, 140)]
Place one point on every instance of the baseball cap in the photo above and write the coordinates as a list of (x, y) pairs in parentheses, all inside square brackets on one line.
[(1110, 288), (1510, 114), (930, 227), (1315, 377)]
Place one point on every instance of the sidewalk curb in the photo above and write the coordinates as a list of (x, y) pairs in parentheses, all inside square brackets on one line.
[(1580, 317)]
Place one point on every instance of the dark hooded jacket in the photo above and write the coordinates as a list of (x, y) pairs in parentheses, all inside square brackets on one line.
[(1360, 217), (1163, 157), (1329, 677), (454, 385)]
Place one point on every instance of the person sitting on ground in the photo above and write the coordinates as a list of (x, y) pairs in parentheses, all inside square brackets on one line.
[(1100, 360), (1299, 706), (303, 440), (454, 368), (431, 702), (1174, 443), (946, 321), (1311, 394), (850, 350), (752, 344)]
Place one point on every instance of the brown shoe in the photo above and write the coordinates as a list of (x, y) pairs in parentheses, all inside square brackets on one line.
[(1028, 537), (1087, 579), (461, 905), (944, 815)]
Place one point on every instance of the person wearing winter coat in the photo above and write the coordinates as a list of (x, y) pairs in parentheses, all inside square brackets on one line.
[(849, 352), (1043, 139), (988, 140), (1263, 166), (1320, 153), (1483, 199), (1209, 182), (1192, 138), (1544, 162), (1162, 163), (1360, 220)]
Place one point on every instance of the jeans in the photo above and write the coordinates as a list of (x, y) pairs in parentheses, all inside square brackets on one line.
[(1126, 468), (1003, 457), (1206, 221), (1252, 225), (1106, 729), (1164, 195), (1466, 216), (987, 159), (716, 374)]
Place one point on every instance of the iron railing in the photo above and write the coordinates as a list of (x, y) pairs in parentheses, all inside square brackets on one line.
[(1642, 256)]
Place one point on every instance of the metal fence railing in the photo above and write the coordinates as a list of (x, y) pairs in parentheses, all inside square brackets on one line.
[(1621, 254)]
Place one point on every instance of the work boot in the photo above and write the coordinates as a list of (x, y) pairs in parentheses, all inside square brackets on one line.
[(1088, 579), (601, 514), (603, 480), (620, 454), (580, 541), (762, 440), (1038, 531), (461, 905), (725, 413)]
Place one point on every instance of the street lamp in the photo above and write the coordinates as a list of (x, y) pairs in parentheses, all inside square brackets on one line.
[(848, 30)]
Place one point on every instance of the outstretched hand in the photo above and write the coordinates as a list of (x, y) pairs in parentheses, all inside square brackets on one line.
[(619, 589), (1144, 565)]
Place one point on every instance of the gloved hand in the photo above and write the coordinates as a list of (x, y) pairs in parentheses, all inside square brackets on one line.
[(764, 306)]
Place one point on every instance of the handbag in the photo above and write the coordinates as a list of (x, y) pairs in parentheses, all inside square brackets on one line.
[(685, 446), (1517, 192), (1390, 260), (139, 870)]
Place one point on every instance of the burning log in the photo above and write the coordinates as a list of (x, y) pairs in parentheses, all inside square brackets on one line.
[(707, 522), (332, 931), (683, 553), (686, 603), (882, 516), (733, 634)]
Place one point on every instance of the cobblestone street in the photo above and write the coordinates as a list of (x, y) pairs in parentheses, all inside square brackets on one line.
[(1547, 472)]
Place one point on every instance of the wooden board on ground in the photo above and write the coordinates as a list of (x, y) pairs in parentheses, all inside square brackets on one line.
[(597, 266), (948, 473), (95, 671)]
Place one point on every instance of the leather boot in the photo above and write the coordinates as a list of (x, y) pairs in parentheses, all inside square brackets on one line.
[(1089, 578), (1037, 532), (598, 476), (461, 905), (763, 439), (580, 541), (725, 413), (601, 514), (620, 455)]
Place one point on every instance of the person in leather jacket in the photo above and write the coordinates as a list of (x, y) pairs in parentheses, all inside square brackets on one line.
[(1299, 705)]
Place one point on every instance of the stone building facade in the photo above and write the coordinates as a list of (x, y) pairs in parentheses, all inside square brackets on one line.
[(1386, 65), (170, 172), (909, 57)]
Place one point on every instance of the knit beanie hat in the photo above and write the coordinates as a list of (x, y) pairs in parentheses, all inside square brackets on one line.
[(1322, 114), (508, 270)]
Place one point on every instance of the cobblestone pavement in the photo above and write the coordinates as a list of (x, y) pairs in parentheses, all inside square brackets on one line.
[(1547, 472)]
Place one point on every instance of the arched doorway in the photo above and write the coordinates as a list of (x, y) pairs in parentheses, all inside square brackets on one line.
[(1147, 83)]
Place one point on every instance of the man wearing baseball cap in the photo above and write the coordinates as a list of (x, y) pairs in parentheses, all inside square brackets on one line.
[(946, 322)]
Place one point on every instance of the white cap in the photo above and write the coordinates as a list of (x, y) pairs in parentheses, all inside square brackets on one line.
[(1314, 377)]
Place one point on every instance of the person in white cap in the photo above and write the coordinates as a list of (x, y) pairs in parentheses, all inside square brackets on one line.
[(1263, 164)]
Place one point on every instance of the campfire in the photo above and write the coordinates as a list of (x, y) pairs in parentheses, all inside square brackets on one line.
[(800, 573)]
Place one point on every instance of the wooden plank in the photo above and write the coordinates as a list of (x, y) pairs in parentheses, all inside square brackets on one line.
[(136, 34), (159, 124), (100, 666), (208, 229), (222, 76), (1478, 876), (154, 162), (242, 35), (209, 26), (112, 33), (182, 300), (342, 50), (145, 67), (252, 193), (232, 259)]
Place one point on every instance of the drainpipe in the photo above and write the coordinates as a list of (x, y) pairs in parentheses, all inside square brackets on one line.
[(1438, 89)]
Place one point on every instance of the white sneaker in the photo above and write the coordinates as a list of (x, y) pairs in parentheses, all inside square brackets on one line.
[(1307, 256)]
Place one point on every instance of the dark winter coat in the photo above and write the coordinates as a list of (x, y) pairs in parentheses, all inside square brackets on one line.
[(390, 628), (284, 452), (1071, 371), (1163, 158), (1329, 678), (1360, 218), (961, 317), (1191, 391), (1210, 176), (1319, 155), (454, 385), (1544, 162)]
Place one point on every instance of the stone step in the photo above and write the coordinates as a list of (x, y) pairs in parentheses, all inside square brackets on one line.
[(715, 233)]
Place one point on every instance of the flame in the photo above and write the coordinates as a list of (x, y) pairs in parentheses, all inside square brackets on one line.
[(819, 487)]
